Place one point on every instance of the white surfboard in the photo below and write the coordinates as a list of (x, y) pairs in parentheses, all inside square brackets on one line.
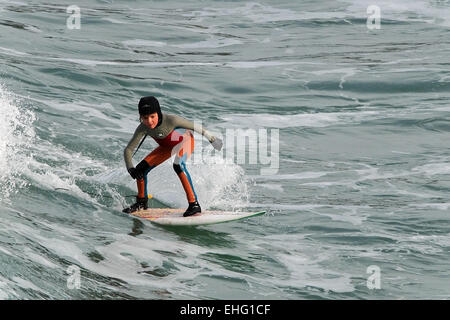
[(174, 217)]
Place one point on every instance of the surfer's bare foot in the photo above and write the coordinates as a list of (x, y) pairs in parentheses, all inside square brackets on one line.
[(141, 204), (193, 208)]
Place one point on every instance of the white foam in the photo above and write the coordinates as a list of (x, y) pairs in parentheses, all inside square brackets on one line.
[(156, 64), (211, 43), (293, 161), (13, 52), (347, 72), (115, 21), (291, 176), (6, 290), (260, 64), (306, 264), (374, 174), (5, 251), (25, 284), (445, 206), (217, 183), (400, 61), (441, 240), (93, 63), (272, 186), (432, 169), (286, 206), (324, 184), (122, 257), (144, 43), (351, 215), (320, 119), (414, 194), (39, 259), (33, 29), (259, 13), (17, 135), (86, 111), (306, 271), (9, 2), (64, 176), (73, 165)]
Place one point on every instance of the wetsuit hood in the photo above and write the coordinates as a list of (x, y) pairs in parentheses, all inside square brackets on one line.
[(149, 105)]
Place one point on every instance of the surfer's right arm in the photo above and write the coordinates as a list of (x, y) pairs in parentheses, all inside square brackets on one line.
[(128, 152), (180, 122)]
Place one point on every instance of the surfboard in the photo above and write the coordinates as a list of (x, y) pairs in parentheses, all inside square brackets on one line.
[(174, 217)]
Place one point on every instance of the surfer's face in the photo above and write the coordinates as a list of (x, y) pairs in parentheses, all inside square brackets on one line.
[(150, 120)]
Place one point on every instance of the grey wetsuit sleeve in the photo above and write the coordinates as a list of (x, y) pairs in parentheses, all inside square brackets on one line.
[(179, 122), (128, 152)]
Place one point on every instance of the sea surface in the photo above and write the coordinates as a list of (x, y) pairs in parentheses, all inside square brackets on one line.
[(352, 162)]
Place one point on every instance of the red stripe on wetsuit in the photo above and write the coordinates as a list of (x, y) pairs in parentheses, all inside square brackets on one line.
[(171, 140)]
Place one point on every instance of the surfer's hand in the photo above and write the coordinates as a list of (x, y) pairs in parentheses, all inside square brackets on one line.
[(133, 173), (141, 170), (216, 143)]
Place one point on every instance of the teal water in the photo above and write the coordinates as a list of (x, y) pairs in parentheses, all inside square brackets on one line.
[(364, 164)]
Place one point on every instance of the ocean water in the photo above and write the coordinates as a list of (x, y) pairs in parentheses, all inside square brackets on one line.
[(357, 196)]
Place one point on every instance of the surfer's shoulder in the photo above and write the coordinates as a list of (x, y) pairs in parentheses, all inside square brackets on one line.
[(171, 119), (175, 118), (169, 116)]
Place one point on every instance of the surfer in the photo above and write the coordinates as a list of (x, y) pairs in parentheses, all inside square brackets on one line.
[(174, 136)]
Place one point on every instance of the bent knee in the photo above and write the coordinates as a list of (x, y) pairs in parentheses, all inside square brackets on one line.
[(177, 168)]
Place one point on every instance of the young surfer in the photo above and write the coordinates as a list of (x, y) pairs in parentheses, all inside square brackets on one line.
[(174, 136)]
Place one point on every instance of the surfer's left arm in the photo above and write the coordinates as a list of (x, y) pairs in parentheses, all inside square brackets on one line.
[(186, 124), (127, 153)]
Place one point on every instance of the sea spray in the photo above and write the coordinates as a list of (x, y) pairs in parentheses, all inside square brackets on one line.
[(218, 184), (17, 135)]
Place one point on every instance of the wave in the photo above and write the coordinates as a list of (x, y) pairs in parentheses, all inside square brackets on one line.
[(317, 120), (18, 135)]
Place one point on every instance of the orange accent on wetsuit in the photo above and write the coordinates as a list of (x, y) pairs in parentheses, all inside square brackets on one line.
[(181, 143)]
